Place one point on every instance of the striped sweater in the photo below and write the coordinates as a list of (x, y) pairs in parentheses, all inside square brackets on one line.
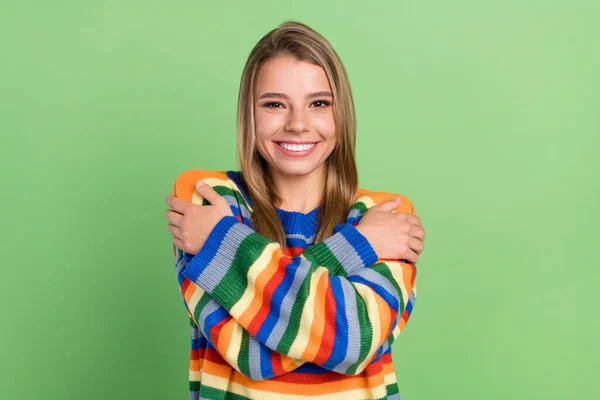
[(315, 321)]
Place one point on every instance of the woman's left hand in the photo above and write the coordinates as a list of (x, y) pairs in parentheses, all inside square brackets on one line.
[(191, 224)]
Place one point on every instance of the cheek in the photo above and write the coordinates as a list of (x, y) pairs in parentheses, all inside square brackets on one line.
[(325, 125), (266, 123)]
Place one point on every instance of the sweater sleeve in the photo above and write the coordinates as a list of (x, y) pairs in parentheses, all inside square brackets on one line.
[(335, 305), (233, 343), (243, 351), (231, 340)]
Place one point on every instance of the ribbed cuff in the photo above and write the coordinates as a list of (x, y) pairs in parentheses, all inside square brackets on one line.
[(214, 249), (347, 251)]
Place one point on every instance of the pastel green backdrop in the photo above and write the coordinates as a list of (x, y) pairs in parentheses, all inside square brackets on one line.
[(484, 114)]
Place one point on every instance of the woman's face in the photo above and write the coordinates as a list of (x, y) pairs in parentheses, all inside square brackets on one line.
[(293, 114)]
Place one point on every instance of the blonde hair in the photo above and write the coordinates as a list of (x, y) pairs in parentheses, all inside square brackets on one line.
[(297, 40)]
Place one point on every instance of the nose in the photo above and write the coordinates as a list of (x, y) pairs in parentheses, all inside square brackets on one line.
[(297, 121)]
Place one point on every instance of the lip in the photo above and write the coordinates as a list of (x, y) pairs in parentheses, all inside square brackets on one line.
[(295, 141), (295, 154)]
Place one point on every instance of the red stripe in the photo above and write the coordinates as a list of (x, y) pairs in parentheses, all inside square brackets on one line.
[(330, 376), (215, 331), (276, 363), (328, 330), (184, 285), (270, 288), (214, 357)]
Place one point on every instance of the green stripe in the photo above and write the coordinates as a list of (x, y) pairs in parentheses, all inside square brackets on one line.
[(366, 333), (384, 269), (231, 288), (294, 324), (240, 199), (218, 394), (224, 190), (392, 389), (320, 254), (243, 358), (360, 206), (201, 304)]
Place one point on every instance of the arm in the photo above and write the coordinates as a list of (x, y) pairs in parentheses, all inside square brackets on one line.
[(309, 306), (233, 343), (253, 358), (231, 340)]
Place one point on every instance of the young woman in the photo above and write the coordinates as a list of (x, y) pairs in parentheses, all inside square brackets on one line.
[(296, 281)]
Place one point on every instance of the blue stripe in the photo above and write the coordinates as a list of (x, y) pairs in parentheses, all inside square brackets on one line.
[(297, 242), (236, 177), (199, 343), (311, 368), (213, 319), (202, 259), (367, 253), (387, 296), (278, 295), (340, 344), (266, 369), (409, 307)]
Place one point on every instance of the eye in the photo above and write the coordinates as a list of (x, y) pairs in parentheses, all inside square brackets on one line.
[(324, 103), (273, 103)]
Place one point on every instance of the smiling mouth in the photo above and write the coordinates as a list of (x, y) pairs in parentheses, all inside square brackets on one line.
[(297, 147)]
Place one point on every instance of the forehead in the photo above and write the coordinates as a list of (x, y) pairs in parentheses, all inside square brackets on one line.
[(290, 76)]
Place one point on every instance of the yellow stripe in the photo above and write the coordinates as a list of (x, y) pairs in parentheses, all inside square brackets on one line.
[(197, 199), (194, 299), (396, 269), (308, 315), (259, 265), (373, 312), (390, 378), (234, 347)]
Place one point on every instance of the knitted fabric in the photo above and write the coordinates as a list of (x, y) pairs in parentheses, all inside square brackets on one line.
[(315, 321)]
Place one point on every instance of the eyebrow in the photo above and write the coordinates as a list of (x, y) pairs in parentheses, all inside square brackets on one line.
[(284, 96)]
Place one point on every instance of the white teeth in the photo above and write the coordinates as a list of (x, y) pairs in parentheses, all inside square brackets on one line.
[(296, 147)]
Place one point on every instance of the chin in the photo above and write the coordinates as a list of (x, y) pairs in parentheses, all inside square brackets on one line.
[(296, 170)]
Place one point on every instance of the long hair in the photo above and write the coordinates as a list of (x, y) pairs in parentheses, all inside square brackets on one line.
[(295, 39)]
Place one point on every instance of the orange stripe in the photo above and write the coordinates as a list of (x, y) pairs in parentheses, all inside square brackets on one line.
[(186, 182), (328, 330), (261, 281), (318, 323), (385, 319), (270, 385), (225, 336)]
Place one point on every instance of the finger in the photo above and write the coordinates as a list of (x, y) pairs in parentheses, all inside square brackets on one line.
[(411, 256), (418, 232), (389, 205), (207, 192), (175, 231), (179, 205), (416, 245), (414, 219), (173, 217), (179, 243)]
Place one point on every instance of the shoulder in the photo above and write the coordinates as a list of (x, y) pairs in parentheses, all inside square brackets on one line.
[(366, 199), (185, 184), (226, 183)]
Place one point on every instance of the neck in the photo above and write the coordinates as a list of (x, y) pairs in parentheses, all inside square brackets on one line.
[(301, 193)]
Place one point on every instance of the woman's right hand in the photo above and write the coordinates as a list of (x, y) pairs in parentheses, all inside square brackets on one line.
[(393, 235)]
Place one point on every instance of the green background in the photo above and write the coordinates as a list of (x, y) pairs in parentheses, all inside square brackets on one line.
[(484, 113)]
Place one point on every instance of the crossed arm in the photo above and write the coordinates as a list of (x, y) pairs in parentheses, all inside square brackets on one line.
[(266, 313)]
